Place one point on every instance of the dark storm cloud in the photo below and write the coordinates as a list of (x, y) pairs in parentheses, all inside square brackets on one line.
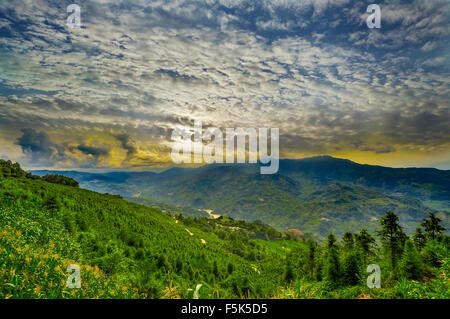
[(92, 150), (377, 148), (38, 146), (124, 139), (421, 128)]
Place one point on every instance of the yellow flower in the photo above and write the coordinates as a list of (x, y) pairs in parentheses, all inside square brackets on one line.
[(58, 269)]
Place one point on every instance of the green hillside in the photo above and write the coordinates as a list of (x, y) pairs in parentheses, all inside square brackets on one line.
[(140, 246), (127, 250), (316, 195), (285, 203)]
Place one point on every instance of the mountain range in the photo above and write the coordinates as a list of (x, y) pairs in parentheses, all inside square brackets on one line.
[(314, 195)]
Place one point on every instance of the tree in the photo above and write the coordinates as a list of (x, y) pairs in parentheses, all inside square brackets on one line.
[(392, 237), (230, 268), (318, 268), (411, 265), (8, 169), (332, 265), (419, 239), (310, 262), (348, 241), (215, 269), (331, 241), (351, 268), (52, 203), (60, 179), (432, 226), (365, 242), (430, 254), (288, 273)]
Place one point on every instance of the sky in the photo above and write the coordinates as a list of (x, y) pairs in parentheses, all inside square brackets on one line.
[(109, 95)]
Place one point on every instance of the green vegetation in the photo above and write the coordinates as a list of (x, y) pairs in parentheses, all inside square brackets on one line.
[(127, 250), (315, 196), (59, 179)]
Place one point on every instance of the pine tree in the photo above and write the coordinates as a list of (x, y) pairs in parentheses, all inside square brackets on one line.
[(230, 268), (310, 263), (288, 273), (411, 265), (392, 237), (332, 265), (419, 239), (432, 226), (215, 269), (52, 203), (348, 241), (318, 269), (365, 242), (331, 240), (351, 268)]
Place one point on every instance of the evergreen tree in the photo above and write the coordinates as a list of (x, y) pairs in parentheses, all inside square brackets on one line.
[(331, 241), (351, 268), (411, 265), (348, 241), (230, 268), (432, 226), (318, 268), (430, 254), (310, 263), (419, 239), (60, 179), (332, 265), (215, 269), (53, 204), (365, 242), (288, 273), (392, 237)]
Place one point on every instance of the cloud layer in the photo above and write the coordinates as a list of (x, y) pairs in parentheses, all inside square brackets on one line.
[(108, 95)]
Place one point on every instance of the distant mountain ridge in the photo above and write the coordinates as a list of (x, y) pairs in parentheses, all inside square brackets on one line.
[(315, 195)]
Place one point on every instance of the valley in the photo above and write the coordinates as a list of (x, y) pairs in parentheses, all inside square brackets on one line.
[(315, 195)]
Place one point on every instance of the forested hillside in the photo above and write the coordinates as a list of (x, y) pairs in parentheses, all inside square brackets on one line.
[(315, 195), (127, 250)]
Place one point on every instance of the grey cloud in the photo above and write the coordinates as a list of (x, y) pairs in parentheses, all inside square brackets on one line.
[(378, 148), (92, 150), (135, 68), (39, 147), (124, 139)]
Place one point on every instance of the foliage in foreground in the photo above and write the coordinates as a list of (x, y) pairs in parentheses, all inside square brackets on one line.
[(127, 250)]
